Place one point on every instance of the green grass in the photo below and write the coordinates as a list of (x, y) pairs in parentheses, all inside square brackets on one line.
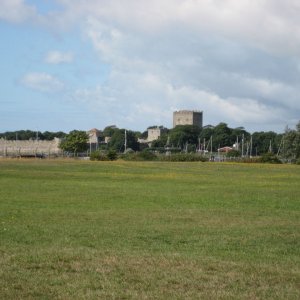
[(136, 230)]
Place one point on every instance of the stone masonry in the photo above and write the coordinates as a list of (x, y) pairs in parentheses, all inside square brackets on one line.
[(188, 117), (29, 148)]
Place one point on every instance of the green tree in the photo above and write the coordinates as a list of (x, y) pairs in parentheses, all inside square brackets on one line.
[(47, 135), (29, 134), (291, 149), (297, 141), (161, 141), (237, 136), (109, 131), (264, 142), (144, 134), (117, 141), (76, 141), (184, 134), (205, 135), (222, 136), (20, 135)]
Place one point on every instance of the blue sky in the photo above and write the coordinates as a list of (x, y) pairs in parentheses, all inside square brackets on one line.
[(74, 64)]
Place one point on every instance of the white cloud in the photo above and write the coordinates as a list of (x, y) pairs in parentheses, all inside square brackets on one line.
[(231, 58), (42, 82), (139, 100), (270, 25), (231, 110), (203, 48), (16, 11), (278, 92), (56, 57)]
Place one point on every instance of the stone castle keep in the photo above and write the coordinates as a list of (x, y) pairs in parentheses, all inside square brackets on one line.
[(188, 117)]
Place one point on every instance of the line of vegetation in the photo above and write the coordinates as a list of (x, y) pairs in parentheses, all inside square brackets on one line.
[(184, 139), (23, 135), (111, 155), (188, 139)]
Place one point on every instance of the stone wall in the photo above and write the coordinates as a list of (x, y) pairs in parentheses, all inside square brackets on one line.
[(19, 148)]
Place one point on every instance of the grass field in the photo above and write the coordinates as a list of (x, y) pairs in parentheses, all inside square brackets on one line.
[(136, 230)]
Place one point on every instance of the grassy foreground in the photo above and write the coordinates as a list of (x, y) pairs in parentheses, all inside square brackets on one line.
[(134, 230)]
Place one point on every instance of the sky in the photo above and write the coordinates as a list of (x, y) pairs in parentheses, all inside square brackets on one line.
[(82, 64)]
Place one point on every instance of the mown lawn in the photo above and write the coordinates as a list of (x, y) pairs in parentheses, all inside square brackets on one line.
[(136, 230)]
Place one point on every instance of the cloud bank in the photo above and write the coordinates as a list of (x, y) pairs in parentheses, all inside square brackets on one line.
[(238, 61), (16, 11)]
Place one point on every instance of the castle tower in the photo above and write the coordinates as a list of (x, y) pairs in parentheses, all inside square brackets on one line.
[(188, 117)]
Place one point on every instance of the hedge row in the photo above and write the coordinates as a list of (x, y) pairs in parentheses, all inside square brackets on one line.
[(175, 157)]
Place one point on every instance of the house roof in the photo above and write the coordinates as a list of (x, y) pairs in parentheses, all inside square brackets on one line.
[(225, 149), (94, 130)]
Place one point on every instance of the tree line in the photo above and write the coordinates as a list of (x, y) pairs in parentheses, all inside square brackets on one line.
[(182, 138), (189, 138), (23, 135), (212, 138)]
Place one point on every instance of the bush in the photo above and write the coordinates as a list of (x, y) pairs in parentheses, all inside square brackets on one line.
[(147, 155), (150, 156), (102, 156), (98, 155), (233, 153), (112, 155), (270, 158)]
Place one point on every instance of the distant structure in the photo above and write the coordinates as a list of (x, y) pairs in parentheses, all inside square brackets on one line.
[(188, 117), (94, 138), (94, 135), (30, 148), (153, 134)]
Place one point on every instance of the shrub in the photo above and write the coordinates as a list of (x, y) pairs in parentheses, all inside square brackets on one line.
[(112, 155), (98, 155), (103, 156), (140, 156), (233, 153), (270, 158)]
